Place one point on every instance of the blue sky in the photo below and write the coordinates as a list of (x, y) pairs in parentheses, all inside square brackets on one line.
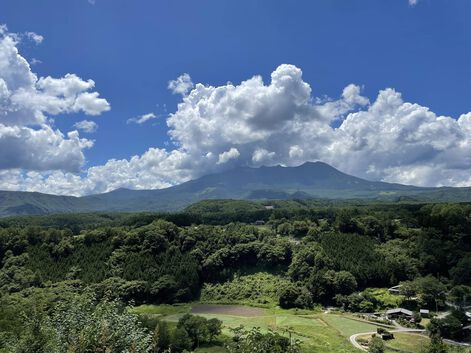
[(132, 49)]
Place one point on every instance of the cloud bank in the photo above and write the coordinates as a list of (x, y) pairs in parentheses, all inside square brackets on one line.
[(252, 123), (28, 139)]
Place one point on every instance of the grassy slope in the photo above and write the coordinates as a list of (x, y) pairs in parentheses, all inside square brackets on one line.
[(320, 333), (407, 342)]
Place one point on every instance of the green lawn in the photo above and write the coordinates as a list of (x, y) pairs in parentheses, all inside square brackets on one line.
[(407, 342), (320, 332), (346, 326)]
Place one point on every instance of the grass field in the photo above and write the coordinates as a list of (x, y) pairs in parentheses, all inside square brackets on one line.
[(407, 342), (320, 332)]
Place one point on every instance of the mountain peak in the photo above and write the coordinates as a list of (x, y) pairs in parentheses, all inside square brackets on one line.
[(316, 164), (308, 180)]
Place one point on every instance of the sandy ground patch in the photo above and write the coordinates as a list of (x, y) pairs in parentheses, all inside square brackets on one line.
[(237, 310)]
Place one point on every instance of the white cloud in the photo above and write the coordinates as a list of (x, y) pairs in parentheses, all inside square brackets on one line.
[(296, 152), (86, 126), (182, 85), (141, 119), (27, 139), (35, 61), (225, 157), (279, 122), (413, 2), (36, 38), (41, 149), (263, 157)]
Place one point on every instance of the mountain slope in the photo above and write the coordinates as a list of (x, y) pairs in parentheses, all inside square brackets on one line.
[(310, 180)]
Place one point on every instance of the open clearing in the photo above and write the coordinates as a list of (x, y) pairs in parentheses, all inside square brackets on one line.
[(319, 332), (408, 342)]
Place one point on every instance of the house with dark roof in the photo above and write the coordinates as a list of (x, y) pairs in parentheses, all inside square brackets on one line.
[(399, 312)]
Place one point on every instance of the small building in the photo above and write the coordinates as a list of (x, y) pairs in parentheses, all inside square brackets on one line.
[(384, 334), (259, 223), (387, 336), (269, 207), (399, 312), (424, 312)]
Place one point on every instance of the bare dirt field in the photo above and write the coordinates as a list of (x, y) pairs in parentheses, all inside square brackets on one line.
[(236, 310)]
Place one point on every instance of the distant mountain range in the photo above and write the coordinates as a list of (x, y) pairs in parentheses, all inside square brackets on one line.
[(310, 180)]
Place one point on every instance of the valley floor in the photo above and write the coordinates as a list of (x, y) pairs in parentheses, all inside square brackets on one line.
[(320, 332)]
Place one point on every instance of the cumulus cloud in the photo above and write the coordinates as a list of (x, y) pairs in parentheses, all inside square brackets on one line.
[(27, 102), (36, 38), (413, 2), (181, 85), (41, 149), (263, 157), (225, 157), (141, 119), (88, 126), (256, 123)]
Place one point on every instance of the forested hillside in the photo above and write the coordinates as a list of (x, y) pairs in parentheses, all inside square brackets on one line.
[(294, 255)]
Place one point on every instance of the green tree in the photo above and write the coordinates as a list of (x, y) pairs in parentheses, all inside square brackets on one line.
[(344, 282), (161, 337), (180, 340), (376, 345), (214, 328), (436, 345), (254, 341), (199, 329), (448, 327)]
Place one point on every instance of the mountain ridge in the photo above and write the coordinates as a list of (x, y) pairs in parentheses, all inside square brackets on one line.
[(308, 180)]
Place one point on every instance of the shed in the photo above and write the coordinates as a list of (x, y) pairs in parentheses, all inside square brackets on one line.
[(424, 312), (399, 312)]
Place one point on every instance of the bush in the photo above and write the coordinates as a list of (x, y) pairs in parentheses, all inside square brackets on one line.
[(376, 345)]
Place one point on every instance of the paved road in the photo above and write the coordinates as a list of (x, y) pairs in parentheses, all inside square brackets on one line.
[(353, 338), (455, 343)]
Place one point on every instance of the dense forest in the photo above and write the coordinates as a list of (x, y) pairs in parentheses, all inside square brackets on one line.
[(60, 273)]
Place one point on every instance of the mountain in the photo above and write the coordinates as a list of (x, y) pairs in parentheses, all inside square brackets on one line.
[(310, 180)]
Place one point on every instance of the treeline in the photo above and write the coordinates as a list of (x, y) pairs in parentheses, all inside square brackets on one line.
[(327, 251)]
